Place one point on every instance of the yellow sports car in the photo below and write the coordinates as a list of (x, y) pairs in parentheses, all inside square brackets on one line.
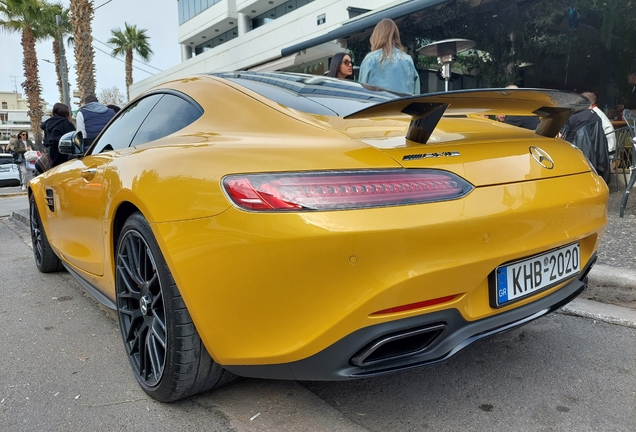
[(300, 227)]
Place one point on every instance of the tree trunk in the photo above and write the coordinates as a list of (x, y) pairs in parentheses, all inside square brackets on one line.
[(31, 86), (58, 69), (81, 18), (129, 78)]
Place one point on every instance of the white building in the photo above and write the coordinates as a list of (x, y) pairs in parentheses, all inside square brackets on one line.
[(289, 35), (13, 115)]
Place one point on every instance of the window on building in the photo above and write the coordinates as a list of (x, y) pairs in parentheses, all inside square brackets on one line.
[(278, 12), (216, 41), (4, 117), (5, 105), (188, 9)]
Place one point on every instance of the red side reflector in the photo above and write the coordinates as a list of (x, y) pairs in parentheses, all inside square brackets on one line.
[(343, 190), (417, 305)]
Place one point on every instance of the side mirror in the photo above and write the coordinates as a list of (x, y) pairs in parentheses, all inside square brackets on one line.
[(71, 143)]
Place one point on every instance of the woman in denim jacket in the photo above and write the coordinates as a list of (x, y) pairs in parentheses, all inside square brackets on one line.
[(387, 65)]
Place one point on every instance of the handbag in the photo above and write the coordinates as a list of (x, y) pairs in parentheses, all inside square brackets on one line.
[(44, 163), (18, 158)]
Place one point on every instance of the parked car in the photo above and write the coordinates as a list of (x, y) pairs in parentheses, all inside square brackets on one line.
[(301, 227), (9, 171)]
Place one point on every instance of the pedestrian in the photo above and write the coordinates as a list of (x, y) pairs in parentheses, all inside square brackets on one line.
[(341, 66), (387, 65), (631, 101), (608, 129), (18, 147), (577, 121), (54, 127), (92, 118)]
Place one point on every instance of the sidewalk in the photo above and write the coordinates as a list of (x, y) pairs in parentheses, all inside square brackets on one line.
[(611, 296)]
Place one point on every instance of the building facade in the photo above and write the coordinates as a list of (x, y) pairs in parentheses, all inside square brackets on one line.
[(226, 35), (14, 115)]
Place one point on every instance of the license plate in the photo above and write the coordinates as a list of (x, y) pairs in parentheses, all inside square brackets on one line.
[(522, 278)]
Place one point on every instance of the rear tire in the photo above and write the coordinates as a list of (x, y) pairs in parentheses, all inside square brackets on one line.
[(163, 347), (45, 259)]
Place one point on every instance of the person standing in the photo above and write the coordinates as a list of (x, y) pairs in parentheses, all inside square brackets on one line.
[(19, 147), (341, 66), (387, 65), (92, 118), (608, 129), (631, 101), (54, 127)]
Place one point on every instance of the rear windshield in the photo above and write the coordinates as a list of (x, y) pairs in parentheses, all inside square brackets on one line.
[(6, 159), (311, 93)]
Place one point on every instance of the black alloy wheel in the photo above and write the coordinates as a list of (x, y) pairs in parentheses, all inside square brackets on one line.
[(163, 346), (142, 315), (45, 259)]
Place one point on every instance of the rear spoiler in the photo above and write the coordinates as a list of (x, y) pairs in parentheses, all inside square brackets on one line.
[(553, 107)]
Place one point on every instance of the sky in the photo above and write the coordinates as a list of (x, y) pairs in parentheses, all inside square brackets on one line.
[(158, 17)]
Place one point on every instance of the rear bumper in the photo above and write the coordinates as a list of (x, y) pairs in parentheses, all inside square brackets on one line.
[(338, 361)]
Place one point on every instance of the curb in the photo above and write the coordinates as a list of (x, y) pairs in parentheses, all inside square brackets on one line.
[(614, 276), (598, 311), (12, 194), (599, 275)]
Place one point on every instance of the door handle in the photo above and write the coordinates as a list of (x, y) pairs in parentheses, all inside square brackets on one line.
[(89, 173)]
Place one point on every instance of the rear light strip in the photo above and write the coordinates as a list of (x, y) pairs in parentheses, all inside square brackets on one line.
[(340, 190), (417, 305)]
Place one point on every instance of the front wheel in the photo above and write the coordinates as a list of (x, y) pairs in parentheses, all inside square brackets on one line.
[(163, 347), (45, 259)]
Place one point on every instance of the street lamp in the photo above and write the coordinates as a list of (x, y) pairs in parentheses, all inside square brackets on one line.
[(446, 51)]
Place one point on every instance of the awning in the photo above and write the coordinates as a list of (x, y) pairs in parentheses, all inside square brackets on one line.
[(363, 22)]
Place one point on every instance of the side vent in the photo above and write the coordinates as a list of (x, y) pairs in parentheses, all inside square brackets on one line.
[(50, 199)]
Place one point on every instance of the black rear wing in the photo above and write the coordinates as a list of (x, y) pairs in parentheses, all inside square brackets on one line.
[(552, 106)]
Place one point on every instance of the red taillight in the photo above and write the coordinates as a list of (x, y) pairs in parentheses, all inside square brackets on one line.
[(343, 190), (413, 306)]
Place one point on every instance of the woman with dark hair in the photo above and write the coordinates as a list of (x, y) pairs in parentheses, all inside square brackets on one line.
[(54, 127), (341, 66), (18, 147), (387, 65)]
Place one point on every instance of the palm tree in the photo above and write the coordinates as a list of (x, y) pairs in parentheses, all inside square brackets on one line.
[(82, 17), (27, 17), (59, 32), (131, 40)]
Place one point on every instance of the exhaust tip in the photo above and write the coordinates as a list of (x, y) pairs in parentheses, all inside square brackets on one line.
[(398, 345)]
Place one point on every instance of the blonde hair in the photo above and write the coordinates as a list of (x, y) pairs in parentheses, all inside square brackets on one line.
[(385, 36)]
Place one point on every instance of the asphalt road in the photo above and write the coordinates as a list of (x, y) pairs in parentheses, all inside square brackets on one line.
[(63, 368)]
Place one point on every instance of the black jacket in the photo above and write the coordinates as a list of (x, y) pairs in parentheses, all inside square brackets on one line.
[(631, 101), (592, 141), (53, 129), (526, 122)]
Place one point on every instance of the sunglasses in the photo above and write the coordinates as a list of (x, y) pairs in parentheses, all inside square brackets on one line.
[(24, 135), (347, 62)]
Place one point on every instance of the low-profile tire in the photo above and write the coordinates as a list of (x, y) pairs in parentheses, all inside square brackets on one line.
[(45, 259), (162, 344)]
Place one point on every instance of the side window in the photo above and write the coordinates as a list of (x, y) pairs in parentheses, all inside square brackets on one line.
[(171, 114), (120, 133)]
